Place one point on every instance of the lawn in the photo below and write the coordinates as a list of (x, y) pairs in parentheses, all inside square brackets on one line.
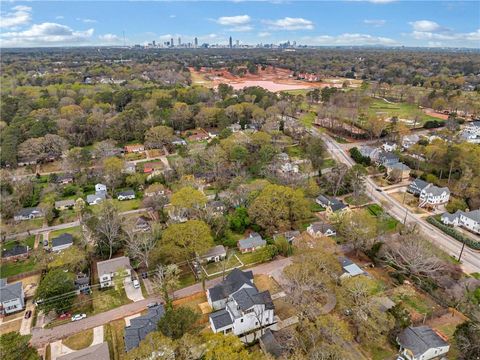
[(216, 267), (113, 333), (264, 282), (308, 119), (381, 352), (401, 110), (127, 205), (8, 269), (75, 231), (80, 340), (104, 300), (361, 200), (252, 258), (10, 326), (386, 221), (283, 309), (327, 163), (29, 241), (295, 151), (21, 226)]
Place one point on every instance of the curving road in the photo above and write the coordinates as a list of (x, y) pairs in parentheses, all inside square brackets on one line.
[(470, 258)]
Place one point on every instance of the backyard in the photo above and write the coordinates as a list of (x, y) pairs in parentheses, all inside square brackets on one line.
[(401, 110)]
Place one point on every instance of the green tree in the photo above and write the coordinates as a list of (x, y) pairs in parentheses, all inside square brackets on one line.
[(113, 172), (154, 343), (185, 240), (158, 136), (189, 198), (239, 220), (56, 291), (14, 346), (219, 346), (177, 322), (278, 208)]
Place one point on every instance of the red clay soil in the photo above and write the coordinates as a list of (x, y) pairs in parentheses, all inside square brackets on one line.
[(435, 114)]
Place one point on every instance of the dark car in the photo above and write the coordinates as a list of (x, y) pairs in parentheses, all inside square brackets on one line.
[(378, 189), (28, 313), (144, 275)]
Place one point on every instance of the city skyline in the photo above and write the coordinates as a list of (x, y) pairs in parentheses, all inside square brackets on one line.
[(340, 23)]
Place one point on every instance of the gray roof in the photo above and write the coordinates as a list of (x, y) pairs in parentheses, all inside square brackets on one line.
[(366, 150), (215, 251), (435, 190), (128, 192), (113, 265), (248, 297), (399, 166), (233, 281), (418, 184), (98, 195), (251, 242), (141, 326), (350, 267), (63, 239), (420, 339), (61, 203), (386, 157), (452, 217), (82, 279), (289, 235), (331, 201), (27, 211), (337, 205), (474, 215), (221, 319), (322, 227), (270, 343), (15, 251), (94, 352), (11, 292)]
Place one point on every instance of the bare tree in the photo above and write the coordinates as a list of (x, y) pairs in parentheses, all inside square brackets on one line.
[(139, 244), (166, 280), (108, 226)]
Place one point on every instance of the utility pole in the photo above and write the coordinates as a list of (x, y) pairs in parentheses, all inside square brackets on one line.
[(461, 251)]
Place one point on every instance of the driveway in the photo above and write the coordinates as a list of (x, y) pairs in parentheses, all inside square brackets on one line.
[(132, 293), (27, 323)]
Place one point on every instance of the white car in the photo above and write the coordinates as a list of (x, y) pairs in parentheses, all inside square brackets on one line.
[(78, 317), (136, 284)]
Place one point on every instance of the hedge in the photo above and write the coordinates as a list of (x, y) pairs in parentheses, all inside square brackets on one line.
[(454, 233), (359, 158)]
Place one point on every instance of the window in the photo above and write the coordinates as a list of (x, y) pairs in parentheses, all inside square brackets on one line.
[(256, 323), (241, 320)]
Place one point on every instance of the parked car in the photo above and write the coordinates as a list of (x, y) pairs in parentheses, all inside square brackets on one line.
[(28, 313), (152, 304), (64, 316), (136, 284), (78, 317)]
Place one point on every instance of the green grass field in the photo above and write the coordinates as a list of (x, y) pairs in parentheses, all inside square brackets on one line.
[(15, 268), (401, 110)]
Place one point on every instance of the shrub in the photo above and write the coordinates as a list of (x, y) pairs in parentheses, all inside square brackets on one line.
[(454, 233), (359, 158)]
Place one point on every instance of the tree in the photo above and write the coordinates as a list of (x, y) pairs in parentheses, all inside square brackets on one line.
[(155, 346), (220, 346), (278, 207), (158, 136), (56, 291), (139, 244), (42, 149), (72, 259), (314, 151), (14, 346), (239, 220), (177, 322), (113, 172), (359, 228), (335, 181), (467, 339), (186, 240), (188, 201), (167, 279), (357, 174), (180, 116)]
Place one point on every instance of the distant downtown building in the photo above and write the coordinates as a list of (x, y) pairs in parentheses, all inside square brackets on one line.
[(230, 42), (196, 42)]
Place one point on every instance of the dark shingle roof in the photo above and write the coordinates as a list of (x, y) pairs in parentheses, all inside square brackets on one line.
[(270, 344), (251, 242), (63, 239), (128, 192), (94, 352), (248, 297), (15, 251), (27, 211), (141, 326), (234, 281), (221, 319), (420, 339), (11, 291)]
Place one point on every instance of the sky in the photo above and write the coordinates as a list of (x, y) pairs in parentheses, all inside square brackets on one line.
[(322, 23)]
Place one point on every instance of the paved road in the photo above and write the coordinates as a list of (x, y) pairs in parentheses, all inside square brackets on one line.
[(63, 226), (470, 258), (41, 337)]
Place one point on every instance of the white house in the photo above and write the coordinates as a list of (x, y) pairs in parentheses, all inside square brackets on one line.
[(243, 307), (319, 228), (64, 204), (350, 269), (96, 198), (433, 196), (416, 186), (252, 243), (108, 269), (62, 242), (215, 254), (28, 214), (126, 195), (410, 140), (421, 343), (12, 297), (100, 188), (389, 146), (469, 220)]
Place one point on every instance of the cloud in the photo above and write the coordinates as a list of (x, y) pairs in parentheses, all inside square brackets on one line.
[(110, 38), (87, 21), (425, 25), (59, 17), (350, 39), (242, 28), (375, 22), (289, 23), (233, 20), (45, 34), (264, 34), (19, 15)]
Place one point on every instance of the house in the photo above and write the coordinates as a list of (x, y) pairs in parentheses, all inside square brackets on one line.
[(153, 167), (410, 140), (402, 169), (64, 204), (386, 158), (64, 179), (134, 148), (126, 195), (389, 146), (350, 269), (369, 151), (473, 127), (100, 188), (470, 137), (289, 235), (252, 243), (28, 214), (242, 307), (213, 133), (235, 127), (216, 207), (215, 254), (108, 269), (129, 168), (270, 345), (416, 186), (155, 189), (12, 297), (236, 280), (197, 135), (178, 142), (62, 242), (82, 283), (421, 343), (142, 224), (432, 196), (141, 326), (15, 253), (319, 228), (96, 198), (93, 352), (331, 204), (469, 220)]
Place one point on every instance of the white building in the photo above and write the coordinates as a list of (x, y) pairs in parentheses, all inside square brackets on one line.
[(108, 269), (410, 140), (432, 196), (421, 343), (319, 229), (243, 308), (12, 297), (100, 188), (389, 146), (469, 220)]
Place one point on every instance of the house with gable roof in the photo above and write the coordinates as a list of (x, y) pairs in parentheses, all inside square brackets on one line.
[(469, 220), (141, 326), (12, 297), (421, 343)]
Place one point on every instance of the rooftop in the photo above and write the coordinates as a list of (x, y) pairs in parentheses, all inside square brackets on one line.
[(94, 352), (251, 242), (420, 339), (113, 265), (10, 291)]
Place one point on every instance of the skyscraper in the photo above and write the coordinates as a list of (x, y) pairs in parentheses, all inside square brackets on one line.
[(179, 41), (171, 42), (237, 43), (230, 42), (196, 42)]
